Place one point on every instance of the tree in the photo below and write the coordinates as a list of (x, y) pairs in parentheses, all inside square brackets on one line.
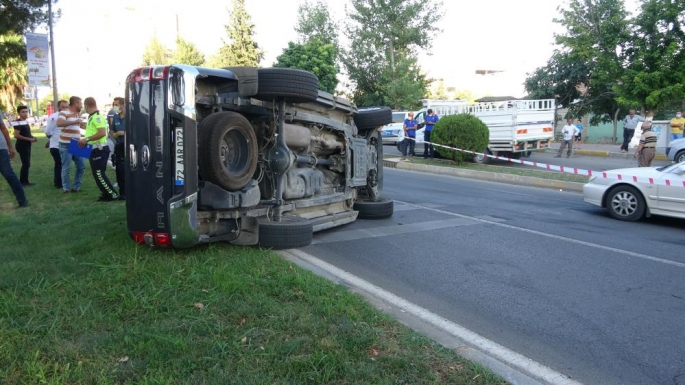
[(439, 92), (385, 35), (314, 21), (156, 53), (585, 67), (187, 53), (315, 56), (13, 70), (19, 16), (242, 49), (655, 75)]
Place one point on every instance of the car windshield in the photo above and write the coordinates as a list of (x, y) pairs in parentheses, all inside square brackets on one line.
[(670, 168)]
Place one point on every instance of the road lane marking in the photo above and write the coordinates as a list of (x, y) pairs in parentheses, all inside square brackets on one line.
[(513, 360), (553, 236), (507, 189), (384, 231)]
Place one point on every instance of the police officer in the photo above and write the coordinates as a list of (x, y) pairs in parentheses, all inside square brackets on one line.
[(96, 135), (116, 128)]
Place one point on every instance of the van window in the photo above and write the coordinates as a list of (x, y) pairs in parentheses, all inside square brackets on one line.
[(398, 117)]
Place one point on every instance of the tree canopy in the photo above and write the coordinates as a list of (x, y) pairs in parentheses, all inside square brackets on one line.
[(242, 48), (316, 56), (156, 53), (187, 53), (386, 36)]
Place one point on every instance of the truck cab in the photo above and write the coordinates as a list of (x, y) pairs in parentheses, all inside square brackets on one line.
[(246, 156)]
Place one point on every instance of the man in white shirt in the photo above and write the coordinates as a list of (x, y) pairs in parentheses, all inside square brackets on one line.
[(53, 131), (71, 124), (569, 132)]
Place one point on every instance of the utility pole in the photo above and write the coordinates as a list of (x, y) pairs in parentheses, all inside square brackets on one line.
[(177, 33), (52, 56)]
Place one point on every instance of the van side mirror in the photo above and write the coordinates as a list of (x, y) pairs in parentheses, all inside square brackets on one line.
[(421, 125)]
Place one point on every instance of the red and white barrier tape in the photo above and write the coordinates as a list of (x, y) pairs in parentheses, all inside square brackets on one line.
[(572, 170)]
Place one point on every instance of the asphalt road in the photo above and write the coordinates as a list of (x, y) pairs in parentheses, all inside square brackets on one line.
[(538, 271), (595, 163)]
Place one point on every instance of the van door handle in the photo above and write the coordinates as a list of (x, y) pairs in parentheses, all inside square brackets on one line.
[(132, 157)]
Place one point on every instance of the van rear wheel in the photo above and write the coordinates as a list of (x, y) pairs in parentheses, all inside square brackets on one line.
[(228, 151)]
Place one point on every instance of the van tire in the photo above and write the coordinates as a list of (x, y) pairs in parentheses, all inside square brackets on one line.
[(227, 153), (295, 86), (289, 233), (372, 117), (480, 159), (374, 210)]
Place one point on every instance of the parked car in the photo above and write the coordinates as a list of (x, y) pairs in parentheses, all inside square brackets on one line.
[(392, 131), (676, 151), (629, 200)]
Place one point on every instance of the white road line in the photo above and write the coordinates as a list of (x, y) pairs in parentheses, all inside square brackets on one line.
[(514, 360), (553, 236)]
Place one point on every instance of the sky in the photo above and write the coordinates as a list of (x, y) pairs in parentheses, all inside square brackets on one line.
[(97, 42)]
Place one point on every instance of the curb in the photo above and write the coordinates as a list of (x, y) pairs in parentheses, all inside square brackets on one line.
[(519, 180), (607, 154)]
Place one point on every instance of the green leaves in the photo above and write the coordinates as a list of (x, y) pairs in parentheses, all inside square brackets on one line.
[(316, 56), (187, 53), (156, 53), (387, 36), (463, 131), (242, 50)]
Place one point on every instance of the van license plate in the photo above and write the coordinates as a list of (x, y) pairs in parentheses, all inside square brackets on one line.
[(180, 165)]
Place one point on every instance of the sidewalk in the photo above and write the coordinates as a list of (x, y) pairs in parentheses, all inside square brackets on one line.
[(604, 150)]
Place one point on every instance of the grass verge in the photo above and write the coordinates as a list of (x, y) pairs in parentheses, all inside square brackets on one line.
[(81, 304)]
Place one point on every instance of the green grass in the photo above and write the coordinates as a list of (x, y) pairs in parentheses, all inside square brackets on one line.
[(554, 175), (80, 303)]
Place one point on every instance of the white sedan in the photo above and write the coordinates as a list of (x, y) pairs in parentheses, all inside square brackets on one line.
[(639, 192)]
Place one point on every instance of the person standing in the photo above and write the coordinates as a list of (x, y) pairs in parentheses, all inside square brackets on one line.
[(22, 133), (629, 124), (52, 131), (117, 127), (70, 122), (7, 153), (431, 119), (677, 125), (579, 138), (569, 132), (96, 134), (409, 140), (646, 149)]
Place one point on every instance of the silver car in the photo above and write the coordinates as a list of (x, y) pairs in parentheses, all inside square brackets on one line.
[(676, 151)]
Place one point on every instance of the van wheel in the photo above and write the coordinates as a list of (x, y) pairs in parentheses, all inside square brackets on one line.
[(227, 153), (625, 203), (289, 233), (382, 209), (296, 86), (372, 117)]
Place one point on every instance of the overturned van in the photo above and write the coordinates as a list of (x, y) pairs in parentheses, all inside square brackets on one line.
[(246, 156)]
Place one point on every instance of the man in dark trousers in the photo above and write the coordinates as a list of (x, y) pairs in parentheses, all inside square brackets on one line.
[(629, 124), (116, 128), (409, 127), (22, 133), (96, 135), (431, 119), (7, 153)]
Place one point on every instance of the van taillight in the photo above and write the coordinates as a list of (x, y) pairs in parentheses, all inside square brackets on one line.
[(152, 239), (145, 74)]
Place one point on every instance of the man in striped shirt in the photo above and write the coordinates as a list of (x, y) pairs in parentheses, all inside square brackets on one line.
[(71, 125), (645, 151)]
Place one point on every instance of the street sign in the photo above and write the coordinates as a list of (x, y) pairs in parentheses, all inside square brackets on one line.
[(37, 59), (30, 93)]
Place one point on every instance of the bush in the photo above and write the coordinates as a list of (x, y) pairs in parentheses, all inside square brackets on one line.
[(462, 131)]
